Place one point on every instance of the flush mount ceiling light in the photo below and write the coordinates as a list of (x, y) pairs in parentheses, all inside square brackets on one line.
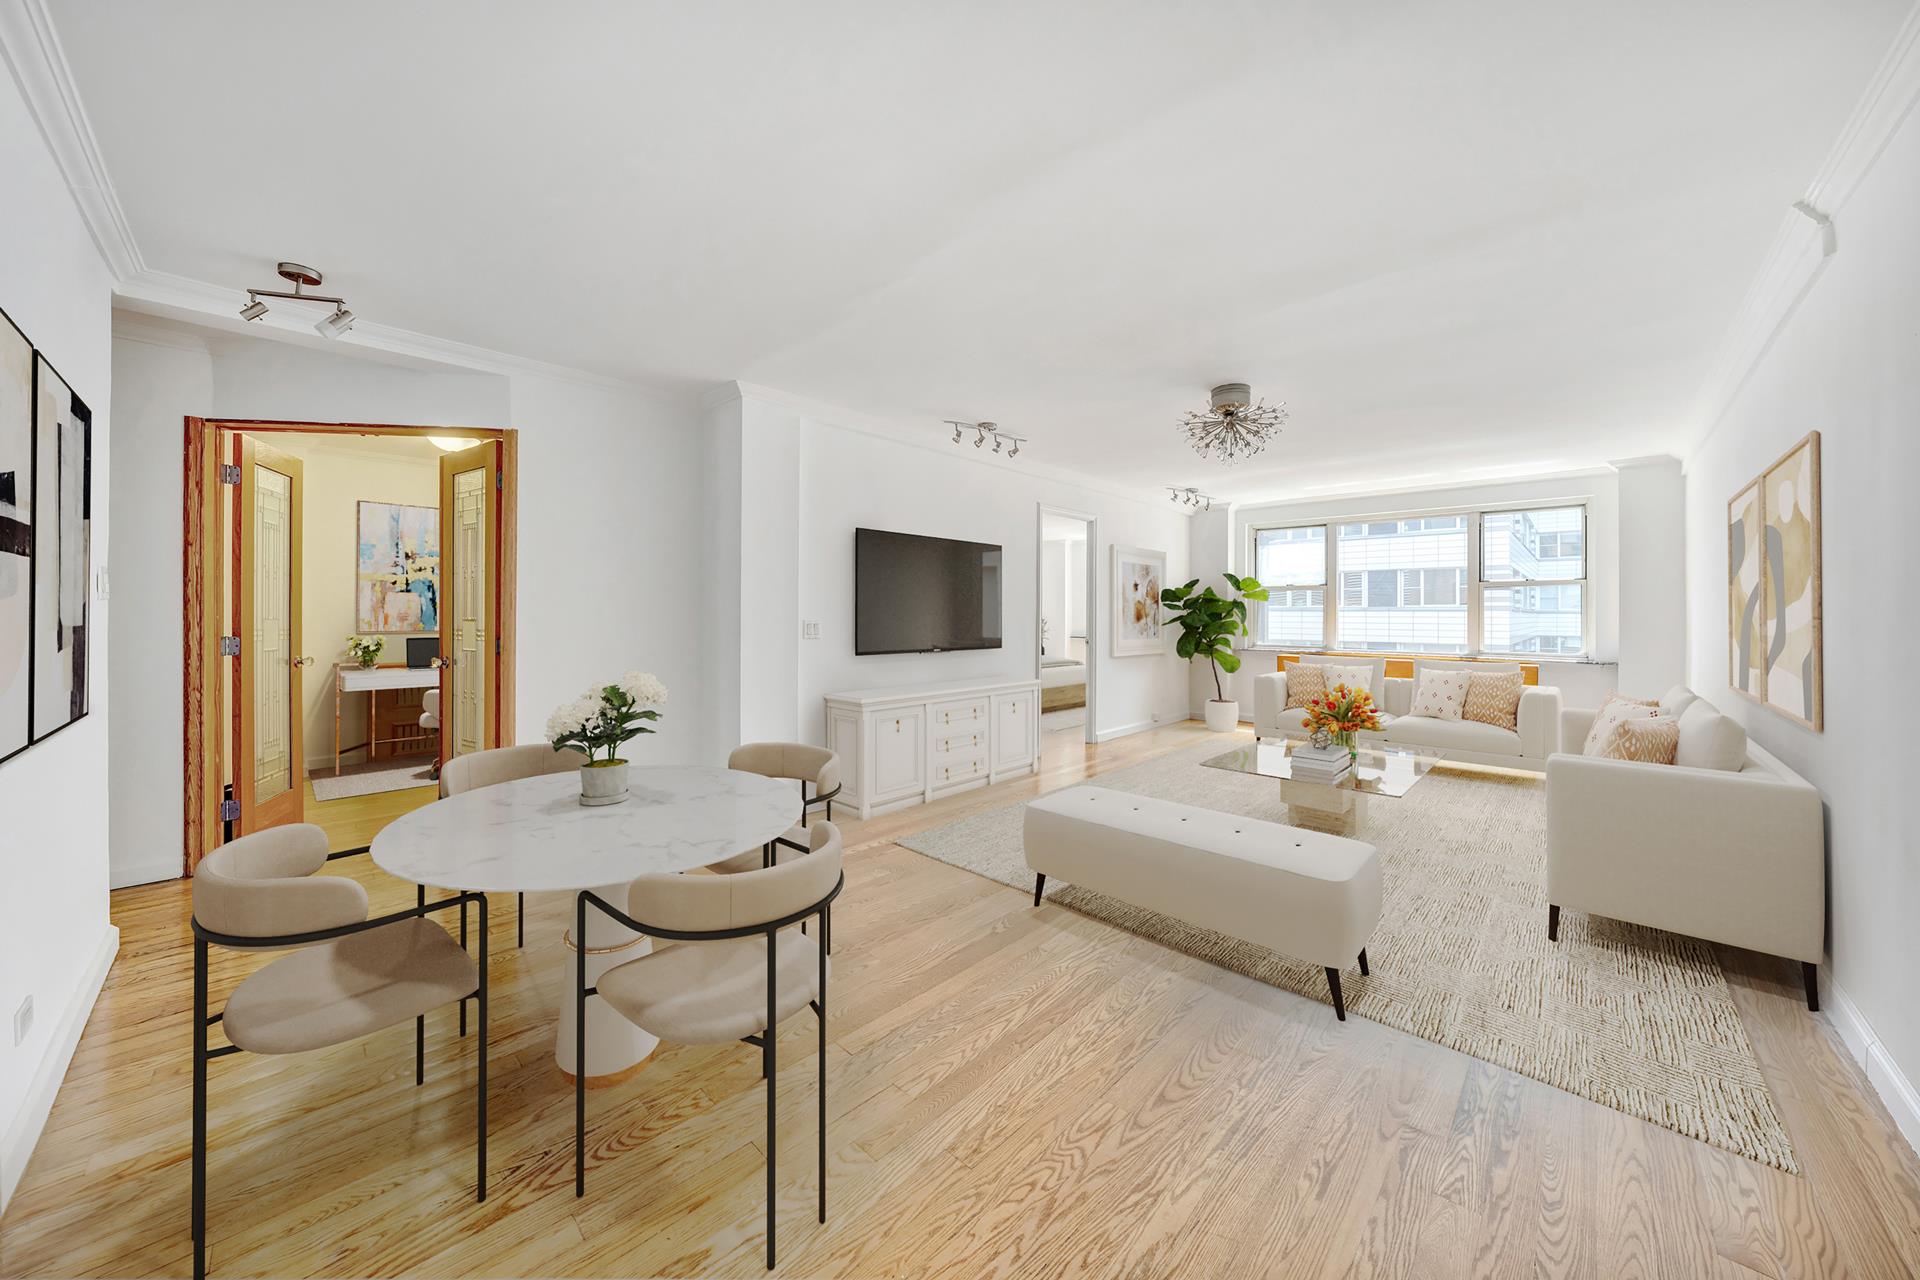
[(302, 278), (982, 431), (1188, 496), (1234, 427)]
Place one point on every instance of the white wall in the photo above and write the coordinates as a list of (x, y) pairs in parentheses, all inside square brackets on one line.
[(55, 939), (1652, 617), (1844, 362), (1581, 683), (849, 479), (608, 491)]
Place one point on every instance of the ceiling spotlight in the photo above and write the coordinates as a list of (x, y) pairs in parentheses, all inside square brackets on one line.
[(981, 438), (336, 324), (956, 433), (253, 310), (996, 442), (1015, 451)]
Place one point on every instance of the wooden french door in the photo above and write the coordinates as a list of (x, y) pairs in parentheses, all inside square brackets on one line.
[(269, 771), (470, 626)]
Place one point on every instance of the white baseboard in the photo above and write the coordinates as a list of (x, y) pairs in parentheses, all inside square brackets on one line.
[(1121, 731), (1902, 1100), (148, 872), (24, 1132)]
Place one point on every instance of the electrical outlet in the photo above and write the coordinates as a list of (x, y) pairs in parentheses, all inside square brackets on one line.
[(22, 1022)]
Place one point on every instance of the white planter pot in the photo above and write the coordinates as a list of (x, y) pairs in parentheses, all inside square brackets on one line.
[(1223, 717), (603, 783)]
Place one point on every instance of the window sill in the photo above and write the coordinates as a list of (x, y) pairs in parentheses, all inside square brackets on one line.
[(1543, 659)]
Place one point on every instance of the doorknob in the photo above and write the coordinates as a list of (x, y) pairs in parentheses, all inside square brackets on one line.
[(303, 662)]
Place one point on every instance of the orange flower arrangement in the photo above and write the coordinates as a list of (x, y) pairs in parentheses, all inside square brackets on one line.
[(1342, 713)]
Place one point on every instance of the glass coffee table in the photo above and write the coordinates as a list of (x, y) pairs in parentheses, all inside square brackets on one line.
[(1341, 807)]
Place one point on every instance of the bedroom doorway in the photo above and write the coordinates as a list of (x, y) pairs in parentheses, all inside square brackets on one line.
[(1067, 618)]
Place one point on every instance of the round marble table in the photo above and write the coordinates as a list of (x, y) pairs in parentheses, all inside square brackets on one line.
[(533, 835)]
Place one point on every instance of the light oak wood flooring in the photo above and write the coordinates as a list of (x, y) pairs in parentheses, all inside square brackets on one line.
[(1014, 1091)]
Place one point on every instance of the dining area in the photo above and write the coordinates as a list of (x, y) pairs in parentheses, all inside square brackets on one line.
[(693, 906)]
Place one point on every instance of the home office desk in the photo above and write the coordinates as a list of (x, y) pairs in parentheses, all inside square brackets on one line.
[(371, 680)]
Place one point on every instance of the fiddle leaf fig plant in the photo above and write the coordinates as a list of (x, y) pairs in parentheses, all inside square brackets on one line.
[(1209, 621)]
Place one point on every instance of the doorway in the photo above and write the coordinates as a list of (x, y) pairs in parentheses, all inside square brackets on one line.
[(1067, 617), (305, 542)]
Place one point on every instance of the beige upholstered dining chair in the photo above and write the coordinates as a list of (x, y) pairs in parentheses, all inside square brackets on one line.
[(479, 769), (344, 977), (804, 764), (737, 972)]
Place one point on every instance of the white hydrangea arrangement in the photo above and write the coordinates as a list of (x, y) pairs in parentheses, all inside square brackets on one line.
[(608, 716)]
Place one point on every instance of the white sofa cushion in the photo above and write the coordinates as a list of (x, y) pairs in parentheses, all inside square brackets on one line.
[(1440, 693), (1376, 669), (1675, 701), (1709, 740), (1452, 735)]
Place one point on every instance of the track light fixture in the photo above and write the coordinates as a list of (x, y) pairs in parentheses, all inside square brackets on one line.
[(981, 431), (1188, 496), (302, 278)]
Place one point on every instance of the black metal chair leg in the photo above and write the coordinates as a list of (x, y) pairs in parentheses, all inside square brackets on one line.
[(199, 1108), (823, 1070), (520, 921), (1810, 974), (772, 1034), (580, 1047), (463, 947), (1333, 985), (480, 1049), (1039, 883), (1553, 923), (420, 1049), (1363, 962)]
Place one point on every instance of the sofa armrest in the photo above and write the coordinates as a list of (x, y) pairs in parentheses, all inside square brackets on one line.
[(1269, 703), (1539, 721), (1732, 857), (1574, 724)]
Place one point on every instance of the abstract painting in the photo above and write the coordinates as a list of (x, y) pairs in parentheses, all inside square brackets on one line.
[(62, 551), (1790, 507), (398, 576), (16, 533), (1746, 621), (1138, 576)]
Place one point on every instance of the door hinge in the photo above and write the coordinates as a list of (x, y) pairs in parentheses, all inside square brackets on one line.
[(229, 473), (500, 480), (229, 811), (229, 646)]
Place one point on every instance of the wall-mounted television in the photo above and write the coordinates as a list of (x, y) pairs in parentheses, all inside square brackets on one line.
[(913, 594)]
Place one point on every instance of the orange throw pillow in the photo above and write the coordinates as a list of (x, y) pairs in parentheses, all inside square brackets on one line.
[(1650, 740)]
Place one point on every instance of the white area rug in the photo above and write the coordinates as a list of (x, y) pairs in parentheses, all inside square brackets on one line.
[(372, 778), (1632, 1018)]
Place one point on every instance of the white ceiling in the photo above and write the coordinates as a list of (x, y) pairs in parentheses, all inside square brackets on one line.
[(1454, 238)]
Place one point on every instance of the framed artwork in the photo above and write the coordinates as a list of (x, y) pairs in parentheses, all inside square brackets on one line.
[(1790, 507), (1773, 587), (1138, 577), (16, 535), (62, 551), (1746, 608), (397, 576)]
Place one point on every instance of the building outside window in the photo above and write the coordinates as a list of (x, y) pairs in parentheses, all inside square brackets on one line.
[(1292, 565)]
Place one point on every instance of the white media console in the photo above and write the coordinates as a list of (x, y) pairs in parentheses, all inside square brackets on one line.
[(913, 745)]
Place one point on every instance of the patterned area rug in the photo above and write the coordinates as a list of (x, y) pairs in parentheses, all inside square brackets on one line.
[(1633, 1018)]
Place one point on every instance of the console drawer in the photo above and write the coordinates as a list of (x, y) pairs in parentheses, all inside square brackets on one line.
[(958, 768), (966, 713)]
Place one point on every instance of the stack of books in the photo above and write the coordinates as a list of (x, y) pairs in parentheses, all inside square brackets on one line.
[(1329, 764)]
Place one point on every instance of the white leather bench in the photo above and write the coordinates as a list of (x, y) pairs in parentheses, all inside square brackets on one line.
[(1304, 893)]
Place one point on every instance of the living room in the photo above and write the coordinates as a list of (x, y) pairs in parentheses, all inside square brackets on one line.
[(1492, 875)]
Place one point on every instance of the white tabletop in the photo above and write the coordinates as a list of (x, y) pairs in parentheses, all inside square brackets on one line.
[(354, 679), (533, 834)]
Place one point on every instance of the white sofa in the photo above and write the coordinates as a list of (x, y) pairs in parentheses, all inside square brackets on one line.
[(1731, 849), (1527, 746)]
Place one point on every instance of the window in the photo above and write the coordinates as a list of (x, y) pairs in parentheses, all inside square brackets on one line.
[(1533, 565), (1292, 565), (1401, 585), (1414, 584)]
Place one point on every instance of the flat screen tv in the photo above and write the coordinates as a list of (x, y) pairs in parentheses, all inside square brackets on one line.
[(913, 594)]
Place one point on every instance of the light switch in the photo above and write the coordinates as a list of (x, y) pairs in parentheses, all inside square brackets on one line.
[(809, 630)]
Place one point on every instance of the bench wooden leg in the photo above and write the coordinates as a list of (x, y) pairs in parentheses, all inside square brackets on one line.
[(1333, 985), (1363, 962), (1553, 923), (1039, 883)]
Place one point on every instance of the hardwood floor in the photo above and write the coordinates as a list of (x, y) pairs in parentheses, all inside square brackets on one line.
[(1013, 1091)]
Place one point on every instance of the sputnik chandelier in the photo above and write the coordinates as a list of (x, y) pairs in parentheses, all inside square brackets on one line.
[(982, 431), (1234, 427), (1188, 496)]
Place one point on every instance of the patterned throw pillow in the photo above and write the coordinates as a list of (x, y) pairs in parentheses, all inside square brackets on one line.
[(1613, 711), (1646, 740), (1355, 678), (1441, 694), (1305, 682), (1494, 699)]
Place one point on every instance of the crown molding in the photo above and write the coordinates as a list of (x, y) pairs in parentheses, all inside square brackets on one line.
[(1809, 234), (31, 49)]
